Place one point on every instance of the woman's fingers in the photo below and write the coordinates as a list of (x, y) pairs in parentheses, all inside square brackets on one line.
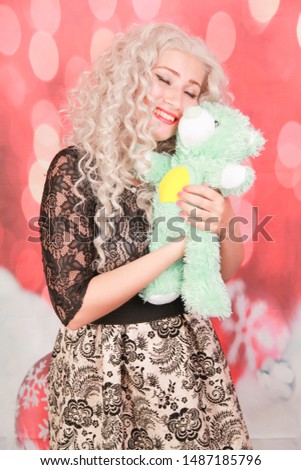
[(201, 197), (202, 206), (203, 190), (193, 211)]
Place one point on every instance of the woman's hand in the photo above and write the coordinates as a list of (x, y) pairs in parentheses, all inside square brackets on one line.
[(205, 208)]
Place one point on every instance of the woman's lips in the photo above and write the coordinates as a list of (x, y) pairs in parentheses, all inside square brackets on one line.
[(164, 116)]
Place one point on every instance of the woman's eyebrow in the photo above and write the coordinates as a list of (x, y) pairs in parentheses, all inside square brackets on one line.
[(193, 82)]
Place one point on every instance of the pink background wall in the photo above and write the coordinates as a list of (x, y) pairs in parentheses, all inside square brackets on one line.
[(44, 44)]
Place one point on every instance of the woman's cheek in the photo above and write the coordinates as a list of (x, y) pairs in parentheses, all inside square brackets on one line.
[(156, 91)]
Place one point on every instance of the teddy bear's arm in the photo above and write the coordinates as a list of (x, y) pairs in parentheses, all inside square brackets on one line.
[(232, 179), (236, 179)]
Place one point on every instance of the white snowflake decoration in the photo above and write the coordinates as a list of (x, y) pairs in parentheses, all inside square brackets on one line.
[(250, 330)]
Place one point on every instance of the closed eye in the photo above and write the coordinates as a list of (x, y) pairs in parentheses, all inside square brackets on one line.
[(192, 95), (162, 79), (165, 80)]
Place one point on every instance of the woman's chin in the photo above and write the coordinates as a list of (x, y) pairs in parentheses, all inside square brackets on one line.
[(164, 132)]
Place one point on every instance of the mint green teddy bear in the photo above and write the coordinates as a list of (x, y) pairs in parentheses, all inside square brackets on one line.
[(212, 141)]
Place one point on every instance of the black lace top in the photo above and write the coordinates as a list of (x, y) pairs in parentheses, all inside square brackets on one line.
[(67, 236)]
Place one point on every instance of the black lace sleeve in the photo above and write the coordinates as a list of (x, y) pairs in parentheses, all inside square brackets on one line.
[(66, 236)]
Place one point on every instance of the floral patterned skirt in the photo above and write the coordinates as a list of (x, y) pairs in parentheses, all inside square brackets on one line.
[(158, 385)]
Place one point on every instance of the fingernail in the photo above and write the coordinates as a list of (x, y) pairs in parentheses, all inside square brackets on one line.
[(182, 214), (185, 188), (180, 194), (178, 202)]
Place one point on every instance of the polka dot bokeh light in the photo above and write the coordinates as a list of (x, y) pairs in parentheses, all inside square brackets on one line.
[(45, 45), (103, 10), (263, 11), (46, 15), (10, 30), (221, 35), (145, 10), (43, 56)]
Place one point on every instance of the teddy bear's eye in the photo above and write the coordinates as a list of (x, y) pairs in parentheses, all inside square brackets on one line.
[(216, 123)]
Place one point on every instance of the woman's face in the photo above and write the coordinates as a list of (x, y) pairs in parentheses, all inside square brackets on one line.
[(176, 83)]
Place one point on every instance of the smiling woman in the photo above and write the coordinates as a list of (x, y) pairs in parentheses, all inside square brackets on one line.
[(127, 374), (177, 83)]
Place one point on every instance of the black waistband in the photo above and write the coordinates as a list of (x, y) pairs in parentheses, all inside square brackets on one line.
[(138, 311)]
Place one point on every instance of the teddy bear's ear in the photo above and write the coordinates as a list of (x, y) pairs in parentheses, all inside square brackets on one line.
[(255, 143)]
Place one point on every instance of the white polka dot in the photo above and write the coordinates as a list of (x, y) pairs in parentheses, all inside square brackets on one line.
[(10, 31), (46, 15), (263, 10), (289, 144), (74, 67), (103, 10), (146, 10), (44, 112), (36, 178), (221, 35), (46, 142), (299, 30), (101, 40), (12, 85), (43, 56)]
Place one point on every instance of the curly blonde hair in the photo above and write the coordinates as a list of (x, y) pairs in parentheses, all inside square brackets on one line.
[(103, 106)]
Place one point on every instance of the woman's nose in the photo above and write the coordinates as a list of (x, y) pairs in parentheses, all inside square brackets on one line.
[(173, 97)]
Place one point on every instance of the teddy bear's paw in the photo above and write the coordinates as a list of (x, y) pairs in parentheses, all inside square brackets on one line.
[(233, 176), (159, 299)]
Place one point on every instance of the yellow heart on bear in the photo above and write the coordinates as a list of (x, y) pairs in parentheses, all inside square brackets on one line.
[(172, 183)]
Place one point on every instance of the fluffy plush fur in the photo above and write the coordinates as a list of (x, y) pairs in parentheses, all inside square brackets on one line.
[(212, 141)]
